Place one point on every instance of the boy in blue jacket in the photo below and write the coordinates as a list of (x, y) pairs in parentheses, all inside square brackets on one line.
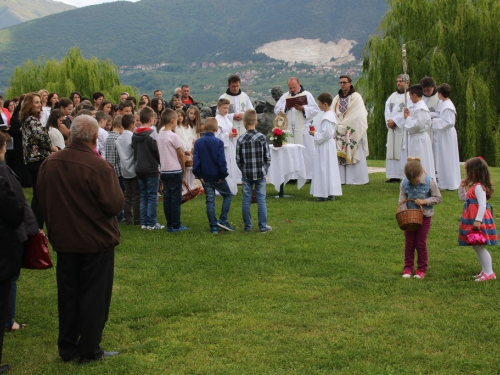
[(209, 166)]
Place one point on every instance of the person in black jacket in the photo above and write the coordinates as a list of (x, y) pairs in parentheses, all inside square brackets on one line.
[(11, 217)]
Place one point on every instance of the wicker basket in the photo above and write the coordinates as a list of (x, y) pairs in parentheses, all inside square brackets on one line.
[(410, 219), (189, 193)]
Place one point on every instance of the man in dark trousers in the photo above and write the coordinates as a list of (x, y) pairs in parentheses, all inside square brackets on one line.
[(81, 196)]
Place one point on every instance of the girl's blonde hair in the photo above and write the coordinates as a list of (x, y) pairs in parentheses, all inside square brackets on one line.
[(413, 169), (476, 170)]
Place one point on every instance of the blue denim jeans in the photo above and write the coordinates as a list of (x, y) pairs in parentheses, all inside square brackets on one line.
[(11, 312), (172, 198), (260, 193), (223, 189), (149, 199)]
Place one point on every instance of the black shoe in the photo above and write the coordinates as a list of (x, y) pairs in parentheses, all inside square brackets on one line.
[(4, 369), (393, 180), (331, 198), (319, 199), (104, 355)]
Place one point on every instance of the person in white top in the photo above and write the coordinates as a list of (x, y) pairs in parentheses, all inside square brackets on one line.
[(325, 181), (417, 123), (351, 135), (54, 122), (228, 136), (187, 134), (394, 120), (102, 135), (299, 119), (445, 141), (45, 112), (239, 102)]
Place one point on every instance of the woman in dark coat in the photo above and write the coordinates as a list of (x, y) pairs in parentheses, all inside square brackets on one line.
[(12, 211)]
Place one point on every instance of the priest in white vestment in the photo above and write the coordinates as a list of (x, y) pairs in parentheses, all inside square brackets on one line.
[(239, 102), (225, 133), (299, 119), (351, 138), (394, 119), (417, 124), (445, 141), (325, 182)]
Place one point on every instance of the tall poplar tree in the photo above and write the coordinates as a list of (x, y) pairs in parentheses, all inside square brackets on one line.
[(72, 73), (453, 41)]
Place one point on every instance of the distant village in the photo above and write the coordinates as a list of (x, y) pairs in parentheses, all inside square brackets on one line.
[(353, 68)]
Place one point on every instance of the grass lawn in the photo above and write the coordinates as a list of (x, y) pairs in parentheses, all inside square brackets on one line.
[(319, 294)]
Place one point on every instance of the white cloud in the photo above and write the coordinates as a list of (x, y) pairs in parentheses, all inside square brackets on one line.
[(84, 3)]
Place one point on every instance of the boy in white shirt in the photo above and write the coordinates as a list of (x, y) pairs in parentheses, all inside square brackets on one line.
[(102, 135), (229, 137)]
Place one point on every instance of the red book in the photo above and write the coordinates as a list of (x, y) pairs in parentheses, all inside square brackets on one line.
[(294, 100)]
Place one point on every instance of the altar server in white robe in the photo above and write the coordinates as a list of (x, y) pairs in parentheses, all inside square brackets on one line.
[(394, 120), (430, 96), (239, 102), (299, 119), (351, 138), (226, 134), (417, 123), (325, 183), (445, 141)]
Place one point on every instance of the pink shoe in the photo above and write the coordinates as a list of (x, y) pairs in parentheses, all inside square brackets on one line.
[(406, 274), (479, 275), (486, 277), (419, 274)]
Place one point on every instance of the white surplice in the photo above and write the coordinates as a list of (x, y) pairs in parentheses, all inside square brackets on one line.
[(238, 104), (225, 128), (326, 178), (419, 142), (354, 117), (396, 145), (446, 146), (310, 110)]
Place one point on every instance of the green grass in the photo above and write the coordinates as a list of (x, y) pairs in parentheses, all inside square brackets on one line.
[(319, 294)]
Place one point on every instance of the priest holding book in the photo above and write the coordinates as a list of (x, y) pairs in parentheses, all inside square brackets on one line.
[(300, 108)]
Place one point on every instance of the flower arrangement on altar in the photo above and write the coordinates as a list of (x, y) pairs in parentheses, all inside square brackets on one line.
[(278, 137)]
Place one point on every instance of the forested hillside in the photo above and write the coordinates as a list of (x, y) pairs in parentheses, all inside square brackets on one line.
[(151, 31), (13, 12)]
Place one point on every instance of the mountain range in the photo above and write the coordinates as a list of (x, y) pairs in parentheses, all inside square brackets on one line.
[(13, 12), (179, 32)]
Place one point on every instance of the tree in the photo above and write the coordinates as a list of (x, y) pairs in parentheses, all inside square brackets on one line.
[(453, 41), (72, 73)]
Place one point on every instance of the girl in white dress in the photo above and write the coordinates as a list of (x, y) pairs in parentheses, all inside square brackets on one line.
[(187, 134)]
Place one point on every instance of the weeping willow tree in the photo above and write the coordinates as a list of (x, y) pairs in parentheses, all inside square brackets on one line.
[(453, 41), (72, 73)]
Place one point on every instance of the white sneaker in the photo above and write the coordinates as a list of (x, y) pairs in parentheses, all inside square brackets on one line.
[(144, 227), (266, 229), (156, 227)]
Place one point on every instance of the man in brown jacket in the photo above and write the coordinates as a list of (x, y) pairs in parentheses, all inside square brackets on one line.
[(81, 197)]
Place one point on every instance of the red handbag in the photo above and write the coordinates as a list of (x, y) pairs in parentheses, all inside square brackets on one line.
[(36, 253)]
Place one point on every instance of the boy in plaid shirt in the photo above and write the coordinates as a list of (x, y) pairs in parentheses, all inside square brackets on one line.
[(253, 159)]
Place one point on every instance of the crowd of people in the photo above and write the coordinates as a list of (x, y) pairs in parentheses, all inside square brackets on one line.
[(110, 162)]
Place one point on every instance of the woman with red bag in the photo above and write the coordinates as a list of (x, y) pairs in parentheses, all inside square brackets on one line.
[(17, 222)]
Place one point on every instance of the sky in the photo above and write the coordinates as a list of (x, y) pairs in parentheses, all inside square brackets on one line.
[(84, 3)]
